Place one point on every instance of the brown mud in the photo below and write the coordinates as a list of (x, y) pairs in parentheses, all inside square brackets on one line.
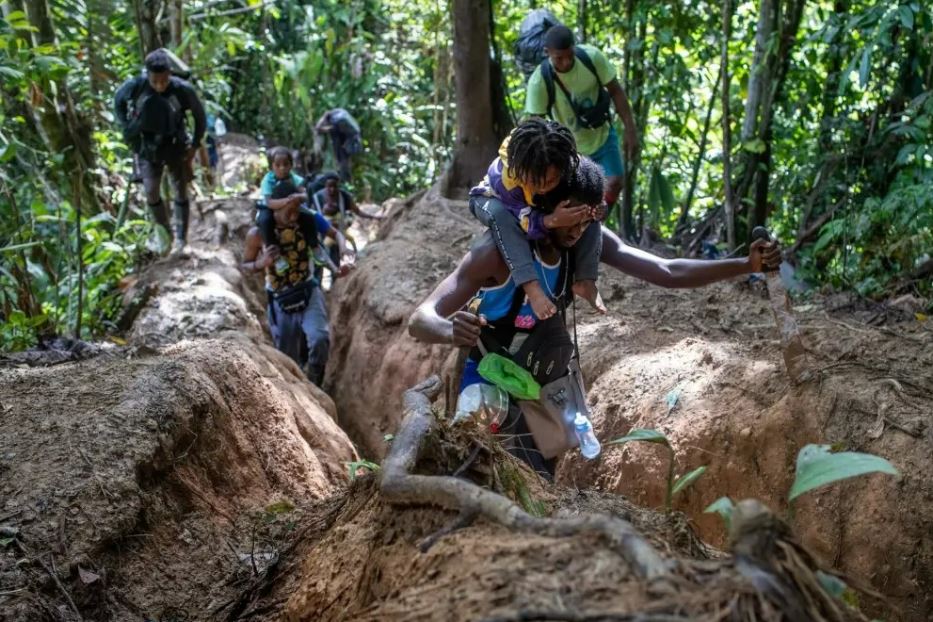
[(152, 481), (704, 367), (194, 474)]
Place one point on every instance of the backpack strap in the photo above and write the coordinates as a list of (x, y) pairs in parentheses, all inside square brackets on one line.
[(587, 62), (308, 227), (547, 74)]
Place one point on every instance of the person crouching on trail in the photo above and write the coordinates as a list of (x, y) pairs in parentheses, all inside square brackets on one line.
[(479, 306), (150, 110), (533, 160), (296, 303)]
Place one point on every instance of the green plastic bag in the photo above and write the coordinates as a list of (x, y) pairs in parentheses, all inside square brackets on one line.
[(509, 376)]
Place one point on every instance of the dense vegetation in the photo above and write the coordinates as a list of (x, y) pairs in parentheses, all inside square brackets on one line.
[(829, 124)]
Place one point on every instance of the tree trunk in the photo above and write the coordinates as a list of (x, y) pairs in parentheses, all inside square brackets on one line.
[(581, 20), (727, 127), (62, 129), (176, 25), (476, 139), (704, 136), (787, 29), (634, 87), (146, 12)]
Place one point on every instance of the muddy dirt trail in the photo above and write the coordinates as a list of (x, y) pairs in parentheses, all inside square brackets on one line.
[(704, 367), (152, 480), (194, 474)]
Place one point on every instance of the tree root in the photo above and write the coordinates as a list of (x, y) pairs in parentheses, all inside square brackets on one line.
[(399, 486)]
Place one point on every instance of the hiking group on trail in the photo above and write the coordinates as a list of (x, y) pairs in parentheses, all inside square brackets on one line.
[(542, 201)]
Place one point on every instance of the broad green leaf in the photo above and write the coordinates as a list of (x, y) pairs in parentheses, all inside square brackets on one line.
[(12, 73), (817, 466), (756, 145), (688, 478), (722, 506), (864, 67), (642, 434), (907, 17), (7, 152)]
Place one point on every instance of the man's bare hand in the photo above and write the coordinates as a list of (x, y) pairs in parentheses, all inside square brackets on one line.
[(764, 256), (267, 257), (467, 327), (566, 216)]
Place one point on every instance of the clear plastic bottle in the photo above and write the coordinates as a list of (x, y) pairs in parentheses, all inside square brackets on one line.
[(589, 444), (487, 402)]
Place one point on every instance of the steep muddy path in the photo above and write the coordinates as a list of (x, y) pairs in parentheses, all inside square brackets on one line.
[(194, 474), (704, 367)]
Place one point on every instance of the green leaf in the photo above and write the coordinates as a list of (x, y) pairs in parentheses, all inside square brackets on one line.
[(361, 464), (817, 466), (756, 145), (907, 17), (280, 507), (864, 67), (688, 478), (722, 506), (642, 434), (12, 73)]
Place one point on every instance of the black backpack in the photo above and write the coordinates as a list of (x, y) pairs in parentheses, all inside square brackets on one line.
[(156, 126), (589, 117), (529, 48)]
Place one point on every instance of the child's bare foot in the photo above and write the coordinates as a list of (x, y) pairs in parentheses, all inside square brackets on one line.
[(587, 291), (541, 305)]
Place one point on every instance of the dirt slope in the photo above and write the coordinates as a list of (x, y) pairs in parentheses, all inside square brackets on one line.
[(373, 360), (153, 480), (715, 349)]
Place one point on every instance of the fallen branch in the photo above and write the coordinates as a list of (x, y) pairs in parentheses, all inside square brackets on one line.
[(399, 486)]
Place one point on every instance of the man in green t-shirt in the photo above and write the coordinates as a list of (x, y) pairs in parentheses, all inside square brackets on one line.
[(574, 87)]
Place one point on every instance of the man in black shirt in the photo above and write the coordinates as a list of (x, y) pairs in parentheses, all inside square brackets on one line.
[(151, 112)]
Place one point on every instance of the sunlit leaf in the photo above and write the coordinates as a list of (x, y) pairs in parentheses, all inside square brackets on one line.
[(724, 507), (644, 435), (817, 466), (687, 479)]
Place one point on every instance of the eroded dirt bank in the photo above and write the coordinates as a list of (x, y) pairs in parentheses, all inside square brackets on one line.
[(704, 367), (153, 481)]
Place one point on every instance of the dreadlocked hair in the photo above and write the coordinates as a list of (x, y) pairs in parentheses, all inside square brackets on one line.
[(536, 145)]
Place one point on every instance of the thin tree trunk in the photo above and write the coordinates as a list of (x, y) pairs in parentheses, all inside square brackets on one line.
[(476, 139), (701, 154), (80, 257), (146, 13), (635, 89), (581, 19), (787, 28), (727, 127), (176, 26), (62, 129)]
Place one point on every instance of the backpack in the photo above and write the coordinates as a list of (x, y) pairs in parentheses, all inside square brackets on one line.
[(529, 48), (156, 123), (589, 117)]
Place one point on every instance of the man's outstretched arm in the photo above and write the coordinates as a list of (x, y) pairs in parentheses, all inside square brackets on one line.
[(684, 272)]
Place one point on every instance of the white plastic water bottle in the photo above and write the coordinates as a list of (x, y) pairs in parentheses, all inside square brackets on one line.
[(589, 444)]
